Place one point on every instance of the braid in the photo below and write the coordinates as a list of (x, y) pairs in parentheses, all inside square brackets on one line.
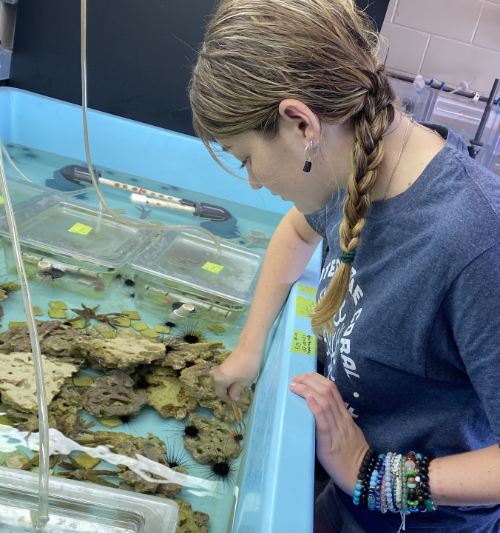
[(370, 125)]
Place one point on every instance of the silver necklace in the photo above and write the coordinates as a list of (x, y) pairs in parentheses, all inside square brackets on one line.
[(407, 136)]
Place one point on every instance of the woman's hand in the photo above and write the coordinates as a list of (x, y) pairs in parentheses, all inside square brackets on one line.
[(340, 443), (236, 373)]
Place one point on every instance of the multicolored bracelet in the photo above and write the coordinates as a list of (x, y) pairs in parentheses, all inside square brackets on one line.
[(394, 482)]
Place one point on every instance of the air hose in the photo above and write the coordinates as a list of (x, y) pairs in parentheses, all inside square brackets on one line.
[(83, 20), (43, 416)]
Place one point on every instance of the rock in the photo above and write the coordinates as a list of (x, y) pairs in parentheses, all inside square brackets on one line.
[(114, 395), (198, 379), (223, 410), (64, 414), (15, 461), (124, 352), (221, 356), (121, 443), (153, 375), (191, 521), (170, 490), (179, 353), (172, 398), (215, 438), (10, 286), (17, 380), (139, 484), (56, 340)]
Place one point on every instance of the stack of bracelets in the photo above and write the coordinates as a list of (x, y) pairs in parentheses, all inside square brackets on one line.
[(395, 483)]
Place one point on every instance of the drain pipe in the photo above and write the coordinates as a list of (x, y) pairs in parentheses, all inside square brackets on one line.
[(476, 143), (8, 23)]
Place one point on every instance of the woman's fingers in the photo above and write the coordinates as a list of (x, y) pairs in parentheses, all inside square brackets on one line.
[(221, 384), (235, 391), (322, 424), (323, 404), (316, 381), (326, 387)]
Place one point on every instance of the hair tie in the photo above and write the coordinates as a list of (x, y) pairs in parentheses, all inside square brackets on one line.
[(347, 257)]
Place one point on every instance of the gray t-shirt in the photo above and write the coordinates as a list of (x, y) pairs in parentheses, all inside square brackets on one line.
[(416, 349)]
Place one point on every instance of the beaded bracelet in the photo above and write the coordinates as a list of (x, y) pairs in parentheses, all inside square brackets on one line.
[(373, 484), (422, 469), (394, 482), (365, 471), (388, 482), (387, 472), (378, 488)]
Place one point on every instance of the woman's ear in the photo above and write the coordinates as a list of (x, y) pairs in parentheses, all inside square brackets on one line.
[(298, 120)]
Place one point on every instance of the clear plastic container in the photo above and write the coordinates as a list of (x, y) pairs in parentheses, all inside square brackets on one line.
[(417, 102), (463, 116), (73, 247), (23, 191), (183, 267), (81, 507)]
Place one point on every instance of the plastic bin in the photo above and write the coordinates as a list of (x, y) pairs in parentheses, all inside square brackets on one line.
[(185, 267), (72, 246), (23, 191), (277, 464), (83, 508), (417, 102), (463, 116)]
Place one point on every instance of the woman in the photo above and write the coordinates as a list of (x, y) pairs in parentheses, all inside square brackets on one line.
[(295, 91)]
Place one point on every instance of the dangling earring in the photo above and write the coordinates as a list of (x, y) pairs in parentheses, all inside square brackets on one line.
[(308, 163)]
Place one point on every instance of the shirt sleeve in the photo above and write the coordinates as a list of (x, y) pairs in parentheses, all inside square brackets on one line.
[(473, 309)]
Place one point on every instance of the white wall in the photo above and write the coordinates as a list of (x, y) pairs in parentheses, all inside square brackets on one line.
[(448, 40)]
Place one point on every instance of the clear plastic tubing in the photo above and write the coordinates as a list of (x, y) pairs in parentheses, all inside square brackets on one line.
[(83, 64), (43, 476)]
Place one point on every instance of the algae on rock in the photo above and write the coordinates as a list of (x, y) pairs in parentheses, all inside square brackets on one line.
[(172, 398), (191, 521), (213, 439)]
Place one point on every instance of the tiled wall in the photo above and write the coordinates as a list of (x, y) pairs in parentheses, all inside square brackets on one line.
[(448, 40)]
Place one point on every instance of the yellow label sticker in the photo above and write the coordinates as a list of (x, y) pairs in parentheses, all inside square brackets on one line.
[(307, 290), (212, 267), (82, 229), (304, 306), (302, 343), (1, 200)]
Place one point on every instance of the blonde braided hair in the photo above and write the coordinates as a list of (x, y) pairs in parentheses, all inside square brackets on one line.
[(257, 53)]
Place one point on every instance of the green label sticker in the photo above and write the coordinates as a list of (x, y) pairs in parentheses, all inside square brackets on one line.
[(82, 229), (212, 267), (303, 343), (307, 290), (304, 306), (1, 200)]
